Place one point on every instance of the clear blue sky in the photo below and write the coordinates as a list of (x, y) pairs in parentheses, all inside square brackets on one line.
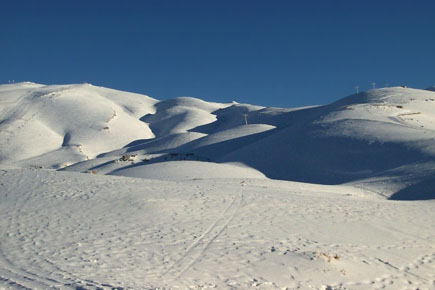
[(270, 52)]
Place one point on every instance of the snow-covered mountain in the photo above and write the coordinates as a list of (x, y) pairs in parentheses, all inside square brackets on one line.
[(57, 125), (381, 139), (103, 189)]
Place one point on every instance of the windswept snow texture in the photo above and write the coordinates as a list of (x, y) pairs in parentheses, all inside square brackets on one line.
[(63, 230), (103, 189)]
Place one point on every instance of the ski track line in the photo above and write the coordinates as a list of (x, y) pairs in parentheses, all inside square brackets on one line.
[(20, 282), (422, 261), (15, 112), (213, 238), (18, 112), (195, 249), (21, 274), (20, 109), (79, 282), (12, 283), (25, 279)]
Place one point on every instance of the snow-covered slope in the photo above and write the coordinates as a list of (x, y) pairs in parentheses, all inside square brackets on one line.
[(188, 170), (176, 194), (180, 115), (57, 125), (363, 136), (382, 140), (62, 230)]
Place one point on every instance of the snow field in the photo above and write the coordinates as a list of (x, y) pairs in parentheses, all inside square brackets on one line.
[(103, 189), (69, 230)]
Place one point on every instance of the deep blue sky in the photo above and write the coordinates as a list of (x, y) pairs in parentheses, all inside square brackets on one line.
[(270, 52)]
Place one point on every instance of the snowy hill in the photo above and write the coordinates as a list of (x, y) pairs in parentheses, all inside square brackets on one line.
[(384, 132), (103, 189), (382, 139), (52, 126)]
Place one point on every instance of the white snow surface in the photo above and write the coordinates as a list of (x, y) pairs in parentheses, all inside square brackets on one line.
[(36, 120), (63, 230), (188, 170), (104, 189)]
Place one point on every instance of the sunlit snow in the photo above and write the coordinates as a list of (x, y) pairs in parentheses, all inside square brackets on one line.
[(104, 189)]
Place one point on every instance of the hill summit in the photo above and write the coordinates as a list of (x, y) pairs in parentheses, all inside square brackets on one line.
[(381, 140)]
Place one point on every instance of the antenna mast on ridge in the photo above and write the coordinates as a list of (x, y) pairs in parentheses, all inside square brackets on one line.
[(246, 118)]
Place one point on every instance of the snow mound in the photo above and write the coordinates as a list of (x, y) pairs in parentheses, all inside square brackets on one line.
[(184, 170)]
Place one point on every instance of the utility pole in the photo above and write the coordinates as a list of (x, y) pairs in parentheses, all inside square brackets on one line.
[(246, 118), (357, 89)]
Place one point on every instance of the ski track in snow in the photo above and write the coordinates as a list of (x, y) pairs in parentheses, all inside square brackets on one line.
[(40, 273), (202, 225), (196, 250), (19, 275), (84, 231)]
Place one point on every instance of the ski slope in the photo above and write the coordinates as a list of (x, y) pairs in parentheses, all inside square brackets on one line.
[(104, 189), (63, 230)]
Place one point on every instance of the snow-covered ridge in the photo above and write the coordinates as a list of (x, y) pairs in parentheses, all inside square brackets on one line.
[(64, 124), (359, 139), (177, 194)]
